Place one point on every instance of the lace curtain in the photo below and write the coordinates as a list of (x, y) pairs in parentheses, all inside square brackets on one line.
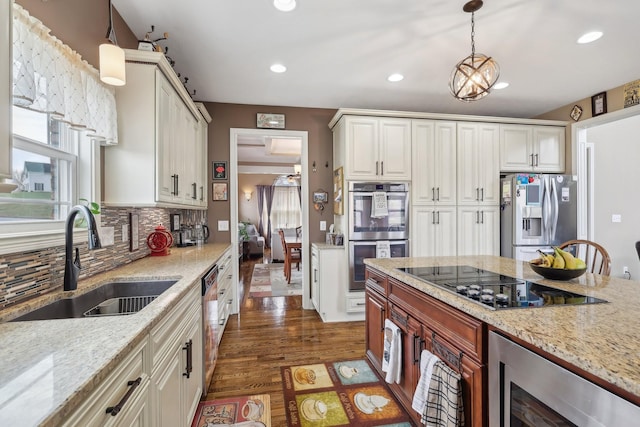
[(50, 77)]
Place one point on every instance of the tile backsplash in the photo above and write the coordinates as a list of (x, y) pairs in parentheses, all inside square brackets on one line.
[(25, 275)]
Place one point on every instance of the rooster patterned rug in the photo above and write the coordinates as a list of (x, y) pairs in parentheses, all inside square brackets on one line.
[(267, 280), (347, 393)]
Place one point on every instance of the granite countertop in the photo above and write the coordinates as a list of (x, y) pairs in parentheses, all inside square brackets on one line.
[(322, 246), (602, 339), (48, 367)]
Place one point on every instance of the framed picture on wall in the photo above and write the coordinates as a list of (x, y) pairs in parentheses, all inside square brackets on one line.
[(219, 191), (599, 104), (338, 205), (219, 170)]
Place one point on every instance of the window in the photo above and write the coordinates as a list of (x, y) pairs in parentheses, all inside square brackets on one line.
[(285, 209)]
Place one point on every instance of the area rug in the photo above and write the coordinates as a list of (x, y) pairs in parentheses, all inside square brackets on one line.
[(267, 280), (245, 411), (347, 393)]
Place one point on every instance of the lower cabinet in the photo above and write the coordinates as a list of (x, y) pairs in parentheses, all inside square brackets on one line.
[(426, 323), (226, 291)]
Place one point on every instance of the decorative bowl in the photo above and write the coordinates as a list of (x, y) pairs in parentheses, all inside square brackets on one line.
[(557, 273)]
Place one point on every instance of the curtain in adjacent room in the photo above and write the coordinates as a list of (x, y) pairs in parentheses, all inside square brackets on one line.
[(286, 211), (260, 193), (268, 194), (50, 77)]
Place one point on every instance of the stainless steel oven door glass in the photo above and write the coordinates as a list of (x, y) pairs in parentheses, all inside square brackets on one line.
[(360, 250), (395, 225), (526, 389)]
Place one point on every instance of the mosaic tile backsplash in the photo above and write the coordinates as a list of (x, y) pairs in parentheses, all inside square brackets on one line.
[(25, 275)]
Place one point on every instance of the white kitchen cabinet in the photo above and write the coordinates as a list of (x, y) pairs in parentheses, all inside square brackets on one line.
[(160, 140), (329, 285), (176, 354), (124, 392), (5, 88), (433, 168), (478, 230), (201, 166), (226, 291), (433, 231), (375, 149), (478, 164), (525, 148)]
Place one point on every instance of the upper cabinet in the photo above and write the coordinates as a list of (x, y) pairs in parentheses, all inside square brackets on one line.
[(374, 149), (532, 148), (162, 140), (5, 89), (433, 159), (478, 164)]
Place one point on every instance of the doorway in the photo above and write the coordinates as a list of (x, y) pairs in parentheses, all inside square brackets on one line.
[(237, 135)]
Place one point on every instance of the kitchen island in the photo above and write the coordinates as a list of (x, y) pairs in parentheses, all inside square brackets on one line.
[(597, 341), (50, 367)]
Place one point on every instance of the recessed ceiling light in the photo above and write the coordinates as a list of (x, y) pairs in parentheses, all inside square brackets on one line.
[(590, 37), (500, 85), (395, 77), (278, 68), (285, 5)]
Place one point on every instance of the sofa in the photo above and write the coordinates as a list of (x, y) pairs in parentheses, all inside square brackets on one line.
[(277, 251), (252, 241)]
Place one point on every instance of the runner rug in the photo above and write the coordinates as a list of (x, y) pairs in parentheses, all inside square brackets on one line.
[(267, 280), (347, 393), (245, 411)]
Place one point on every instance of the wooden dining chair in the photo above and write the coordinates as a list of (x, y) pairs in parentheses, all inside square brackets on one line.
[(290, 257), (595, 256)]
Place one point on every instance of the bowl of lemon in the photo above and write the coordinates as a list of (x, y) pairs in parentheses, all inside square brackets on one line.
[(561, 265)]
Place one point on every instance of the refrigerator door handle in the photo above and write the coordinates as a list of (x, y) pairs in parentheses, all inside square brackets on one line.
[(546, 210), (554, 209)]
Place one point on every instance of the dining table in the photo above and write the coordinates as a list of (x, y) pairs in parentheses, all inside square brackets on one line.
[(292, 243)]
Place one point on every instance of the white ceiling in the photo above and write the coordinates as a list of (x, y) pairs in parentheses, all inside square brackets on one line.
[(340, 52)]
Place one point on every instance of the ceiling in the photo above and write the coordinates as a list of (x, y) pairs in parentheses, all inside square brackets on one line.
[(339, 53)]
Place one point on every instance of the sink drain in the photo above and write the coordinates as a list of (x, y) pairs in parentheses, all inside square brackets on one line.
[(118, 306)]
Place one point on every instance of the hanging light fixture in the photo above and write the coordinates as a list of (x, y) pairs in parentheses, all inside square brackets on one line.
[(475, 75), (112, 68)]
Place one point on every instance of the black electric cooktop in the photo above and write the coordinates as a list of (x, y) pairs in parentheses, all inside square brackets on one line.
[(496, 291)]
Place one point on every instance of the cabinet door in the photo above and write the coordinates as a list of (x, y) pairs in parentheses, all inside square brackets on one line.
[(444, 162), (166, 392), (138, 412), (165, 123), (468, 224), (362, 148), (445, 231), (315, 280), (549, 149), (516, 148), (192, 385), (473, 396), (488, 238), (488, 163), (422, 231), (375, 309), (395, 149), (412, 345), (423, 184), (468, 185)]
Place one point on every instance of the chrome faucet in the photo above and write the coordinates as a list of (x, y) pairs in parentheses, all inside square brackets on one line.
[(72, 267)]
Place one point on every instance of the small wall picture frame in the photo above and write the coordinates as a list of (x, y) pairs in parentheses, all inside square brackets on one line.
[(599, 104), (219, 170), (219, 191), (270, 121), (134, 232), (175, 222), (576, 112), (320, 196)]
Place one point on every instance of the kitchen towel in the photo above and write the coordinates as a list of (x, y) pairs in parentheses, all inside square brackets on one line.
[(392, 356), (383, 249), (427, 360), (444, 401), (379, 206)]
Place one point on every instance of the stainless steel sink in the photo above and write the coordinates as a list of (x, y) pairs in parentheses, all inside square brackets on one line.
[(113, 298)]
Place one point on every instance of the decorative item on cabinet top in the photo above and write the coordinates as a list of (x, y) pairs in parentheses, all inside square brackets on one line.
[(270, 121), (599, 104), (631, 93), (576, 112)]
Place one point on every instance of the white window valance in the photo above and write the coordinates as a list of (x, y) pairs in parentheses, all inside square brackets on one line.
[(50, 77)]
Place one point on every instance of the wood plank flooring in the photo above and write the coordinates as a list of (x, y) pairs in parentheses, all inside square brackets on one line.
[(272, 332)]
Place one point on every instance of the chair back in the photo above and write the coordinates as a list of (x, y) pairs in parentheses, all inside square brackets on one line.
[(595, 256), (638, 248)]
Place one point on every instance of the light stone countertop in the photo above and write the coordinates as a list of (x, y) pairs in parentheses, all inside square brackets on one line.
[(323, 246), (48, 367), (602, 339)]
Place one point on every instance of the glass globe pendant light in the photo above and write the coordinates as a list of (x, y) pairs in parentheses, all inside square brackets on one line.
[(475, 75)]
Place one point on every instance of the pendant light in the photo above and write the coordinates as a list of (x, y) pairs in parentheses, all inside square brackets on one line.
[(112, 68), (475, 75)]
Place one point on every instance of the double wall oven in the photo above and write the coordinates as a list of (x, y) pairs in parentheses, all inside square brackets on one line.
[(371, 230)]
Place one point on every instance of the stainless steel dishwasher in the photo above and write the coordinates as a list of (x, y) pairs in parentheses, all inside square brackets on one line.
[(210, 326)]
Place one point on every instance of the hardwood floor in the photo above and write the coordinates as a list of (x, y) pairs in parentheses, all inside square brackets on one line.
[(272, 332)]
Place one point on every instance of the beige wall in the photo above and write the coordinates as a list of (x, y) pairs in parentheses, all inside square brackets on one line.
[(313, 120), (248, 210)]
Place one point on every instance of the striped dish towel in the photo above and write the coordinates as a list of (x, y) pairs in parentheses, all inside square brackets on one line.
[(427, 360), (444, 401)]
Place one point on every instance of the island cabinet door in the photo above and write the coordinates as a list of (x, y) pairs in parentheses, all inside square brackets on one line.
[(375, 310), (472, 376)]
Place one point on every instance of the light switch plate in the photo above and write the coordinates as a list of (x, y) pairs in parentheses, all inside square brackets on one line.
[(616, 218), (323, 225), (223, 225), (106, 236), (125, 232)]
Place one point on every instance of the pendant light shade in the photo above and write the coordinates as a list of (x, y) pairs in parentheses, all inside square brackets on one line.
[(474, 76), (112, 68)]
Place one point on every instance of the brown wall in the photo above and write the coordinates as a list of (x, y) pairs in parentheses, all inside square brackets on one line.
[(81, 24), (313, 120)]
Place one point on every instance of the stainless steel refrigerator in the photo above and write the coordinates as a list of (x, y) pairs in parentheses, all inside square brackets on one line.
[(538, 211)]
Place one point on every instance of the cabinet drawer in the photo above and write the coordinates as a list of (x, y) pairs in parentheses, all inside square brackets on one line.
[(164, 335), (466, 332), (356, 303), (111, 392), (376, 281)]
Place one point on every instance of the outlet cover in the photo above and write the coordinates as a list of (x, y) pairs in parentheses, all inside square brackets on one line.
[(223, 225), (616, 218), (106, 236), (125, 232), (323, 225)]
